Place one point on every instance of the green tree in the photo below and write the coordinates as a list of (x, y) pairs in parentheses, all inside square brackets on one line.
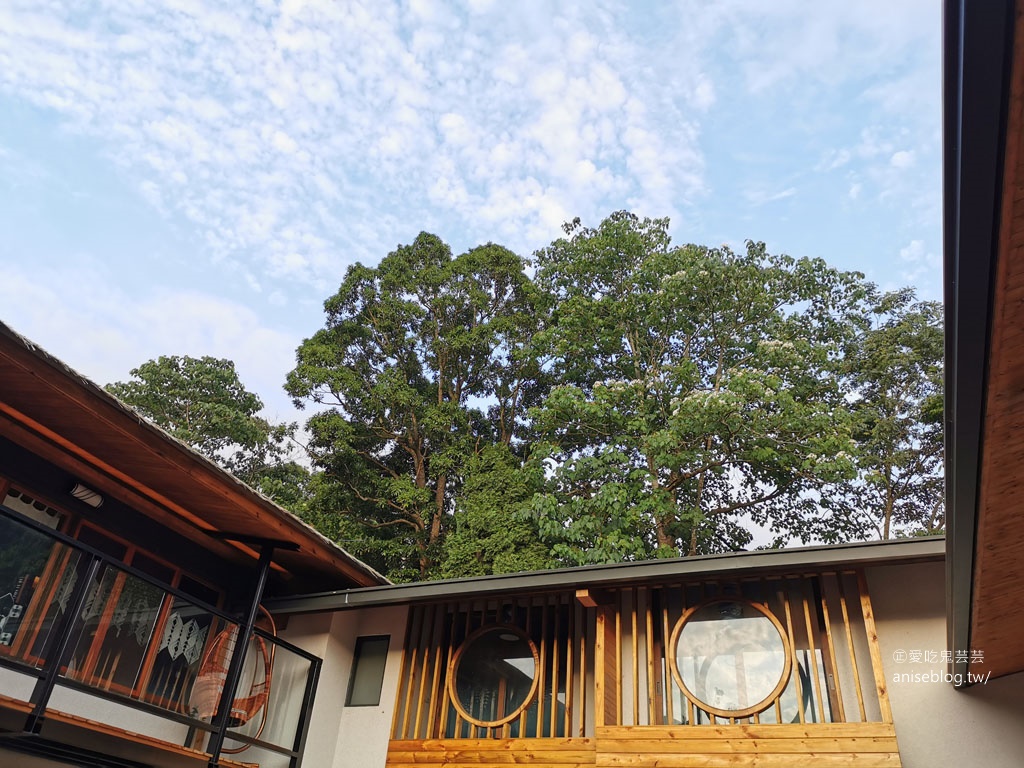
[(202, 402), (897, 375), (488, 533), (698, 394), (423, 362)]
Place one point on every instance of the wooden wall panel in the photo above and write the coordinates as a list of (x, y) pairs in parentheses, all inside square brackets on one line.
[(557, 753), (865, 745)]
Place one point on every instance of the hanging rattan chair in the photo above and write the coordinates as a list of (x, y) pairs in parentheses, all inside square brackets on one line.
[(213, 672)]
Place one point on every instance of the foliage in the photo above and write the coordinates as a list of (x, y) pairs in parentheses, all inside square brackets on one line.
[(633, 399), (423, 362), (488, 533), (897, 375), (202, 402), (698, 390)]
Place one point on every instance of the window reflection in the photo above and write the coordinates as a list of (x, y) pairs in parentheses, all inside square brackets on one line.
[(495, 675), (730, 656)]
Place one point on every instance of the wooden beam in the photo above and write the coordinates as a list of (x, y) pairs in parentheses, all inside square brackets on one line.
[(93, 473), (152, 443), (592, 598)]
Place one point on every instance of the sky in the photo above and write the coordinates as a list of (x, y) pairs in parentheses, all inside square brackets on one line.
[(194, 178)]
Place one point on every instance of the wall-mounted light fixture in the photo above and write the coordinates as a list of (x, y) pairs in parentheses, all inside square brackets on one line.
[(87, 495)]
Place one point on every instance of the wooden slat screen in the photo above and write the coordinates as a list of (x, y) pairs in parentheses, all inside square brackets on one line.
[(825, 618), (558, 627), (610, 665)]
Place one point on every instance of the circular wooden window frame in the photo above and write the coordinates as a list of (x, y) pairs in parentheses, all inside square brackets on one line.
[(453, 671), (762, 705)]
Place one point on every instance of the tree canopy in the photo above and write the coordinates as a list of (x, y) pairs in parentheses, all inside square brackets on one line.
[(618, 397), (698, 393), (422, 364), (896, 374), (202, 402)]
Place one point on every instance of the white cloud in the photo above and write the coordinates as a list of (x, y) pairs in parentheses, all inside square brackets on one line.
[(762, 195), (913, 251), (784, 43), (242, 120), (103, 331), (919, 262), (296, 138), (902, 159)]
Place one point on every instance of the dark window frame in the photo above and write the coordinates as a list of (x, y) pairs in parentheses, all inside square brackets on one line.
[(358, 656)]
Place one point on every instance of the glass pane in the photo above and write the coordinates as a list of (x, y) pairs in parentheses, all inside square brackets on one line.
[(37, 576), (152, 567), (367, 671), (198, 590), (269, 698), (204, 695), (115, 630), (179, 650), (730, 656), (495, 675)]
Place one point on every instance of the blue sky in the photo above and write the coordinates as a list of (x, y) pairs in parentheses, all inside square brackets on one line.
[(194, 178)]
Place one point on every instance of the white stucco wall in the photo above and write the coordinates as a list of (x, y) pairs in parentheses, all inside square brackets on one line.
[(343, 736), (937, 725), (79, 703), (73, 702), (364, 732)]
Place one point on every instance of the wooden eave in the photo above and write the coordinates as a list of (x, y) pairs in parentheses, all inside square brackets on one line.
[(54, 412), (997, 606), (983, 237)]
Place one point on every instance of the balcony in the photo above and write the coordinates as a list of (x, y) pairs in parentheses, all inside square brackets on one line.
[(112, 664)]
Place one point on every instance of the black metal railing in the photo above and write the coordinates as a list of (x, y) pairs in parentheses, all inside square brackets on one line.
[(74, 617)]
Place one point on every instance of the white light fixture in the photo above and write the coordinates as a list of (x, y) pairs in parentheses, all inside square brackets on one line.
[(87, 495)]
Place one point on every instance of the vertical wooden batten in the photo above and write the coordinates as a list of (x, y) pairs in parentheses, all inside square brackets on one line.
[(814, 655), (850, 648), (876, 654)]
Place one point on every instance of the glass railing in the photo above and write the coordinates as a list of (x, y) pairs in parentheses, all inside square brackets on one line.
[(288, 695), (90, 623)]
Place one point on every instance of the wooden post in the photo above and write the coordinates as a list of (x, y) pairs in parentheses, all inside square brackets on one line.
[(583, 670), (571, 613), (814, 655), (667, 649), (784, 584), (849, 643), (635, 643), (409, 673), (876, 654), (830, 644), (606, 684)]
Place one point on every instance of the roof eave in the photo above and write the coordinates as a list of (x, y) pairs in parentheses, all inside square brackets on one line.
[(784, 561)]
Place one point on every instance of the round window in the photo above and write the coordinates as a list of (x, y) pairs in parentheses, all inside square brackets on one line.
[(731, 657), (494, 675)]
